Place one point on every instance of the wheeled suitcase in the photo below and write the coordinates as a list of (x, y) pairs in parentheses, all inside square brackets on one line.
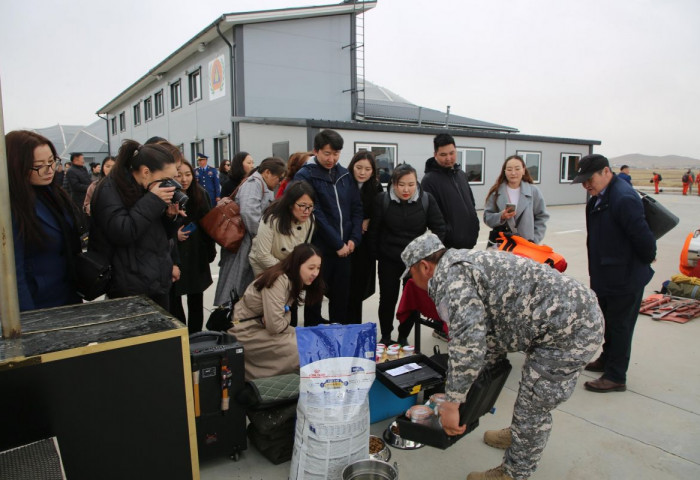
[(218, 375)]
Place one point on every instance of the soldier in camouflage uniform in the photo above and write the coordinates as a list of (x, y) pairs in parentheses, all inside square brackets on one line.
[(495, 303)]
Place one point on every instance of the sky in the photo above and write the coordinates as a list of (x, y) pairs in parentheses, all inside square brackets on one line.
[(625, 72)]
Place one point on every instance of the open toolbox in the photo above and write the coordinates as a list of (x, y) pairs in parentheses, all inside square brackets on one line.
[(480, 400), (421, 373)]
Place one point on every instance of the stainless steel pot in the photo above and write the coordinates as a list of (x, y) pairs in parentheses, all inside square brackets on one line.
[(371, 470)]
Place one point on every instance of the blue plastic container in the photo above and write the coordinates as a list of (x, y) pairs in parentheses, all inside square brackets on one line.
[(384, 404)]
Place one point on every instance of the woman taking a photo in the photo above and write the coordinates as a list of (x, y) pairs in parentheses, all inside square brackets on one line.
[(262, 316), (242, 165), (45, 227), (255, 194), (400, 215), (196, 251), (130, 225), (514, 204), (364, 268)]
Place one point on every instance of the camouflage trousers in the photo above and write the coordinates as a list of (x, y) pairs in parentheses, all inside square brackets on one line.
[(549, 378)]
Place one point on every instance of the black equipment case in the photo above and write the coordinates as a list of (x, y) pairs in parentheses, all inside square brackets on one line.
[(218, 375)]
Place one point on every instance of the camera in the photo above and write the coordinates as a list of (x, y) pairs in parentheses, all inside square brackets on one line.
[(179, 196)]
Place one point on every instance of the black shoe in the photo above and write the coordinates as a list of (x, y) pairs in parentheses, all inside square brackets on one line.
[(387, 341), (403, 341)]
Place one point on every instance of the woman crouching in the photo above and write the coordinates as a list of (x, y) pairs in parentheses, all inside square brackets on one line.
[(262, 316)]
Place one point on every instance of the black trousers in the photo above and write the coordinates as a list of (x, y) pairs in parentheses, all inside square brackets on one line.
[(336, 274), (620, 312), (389, 283), (195, 310)]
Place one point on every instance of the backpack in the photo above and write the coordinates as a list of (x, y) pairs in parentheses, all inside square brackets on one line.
[(660, 177), (686, 178)]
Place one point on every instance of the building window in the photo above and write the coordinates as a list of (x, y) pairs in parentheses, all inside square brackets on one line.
[(472, 162), (159, 102), (148, 109), (137, 114), (280, 149), (385, 155), (221, 150), (122, 122), (195, 84), (569, 165), (175, 95), (532, 162), (114, 125), (195, 148)]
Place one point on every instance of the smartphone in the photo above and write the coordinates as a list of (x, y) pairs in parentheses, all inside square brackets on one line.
[(510, 207), (189, 228)]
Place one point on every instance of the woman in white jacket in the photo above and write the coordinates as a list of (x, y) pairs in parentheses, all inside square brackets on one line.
[(515, 186)]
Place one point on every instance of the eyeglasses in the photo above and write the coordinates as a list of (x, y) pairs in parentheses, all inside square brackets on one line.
[(304, 207), (45, 168)]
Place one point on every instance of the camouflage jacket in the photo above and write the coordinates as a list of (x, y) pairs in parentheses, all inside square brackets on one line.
[(496, 302)]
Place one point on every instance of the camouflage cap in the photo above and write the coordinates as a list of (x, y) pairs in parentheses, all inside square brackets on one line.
[(419, 248)]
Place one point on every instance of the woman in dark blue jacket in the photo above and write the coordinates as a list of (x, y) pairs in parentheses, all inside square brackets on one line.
[(401, 214), (45, 224)]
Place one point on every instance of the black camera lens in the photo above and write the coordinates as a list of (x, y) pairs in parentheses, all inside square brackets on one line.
[(179, 196)]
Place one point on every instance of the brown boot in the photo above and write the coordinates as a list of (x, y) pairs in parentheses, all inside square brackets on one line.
[(493, 474), (498, 438), (598, 365)]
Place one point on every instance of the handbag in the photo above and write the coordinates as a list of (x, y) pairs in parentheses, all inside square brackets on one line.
[(659, 218), (93, 274), (224, 224)]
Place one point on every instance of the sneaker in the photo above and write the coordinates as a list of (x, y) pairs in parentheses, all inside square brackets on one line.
[(493, 474), (498, 438), (440, 335)]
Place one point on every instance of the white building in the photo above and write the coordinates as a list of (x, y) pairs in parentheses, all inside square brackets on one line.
[(266, 82)]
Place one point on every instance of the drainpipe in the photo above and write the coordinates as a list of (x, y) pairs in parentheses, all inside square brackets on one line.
[(106, 119), (9, 301), (231, 47), (447, 117)]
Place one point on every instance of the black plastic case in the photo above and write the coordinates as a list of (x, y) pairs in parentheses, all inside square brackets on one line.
[(430, 375)]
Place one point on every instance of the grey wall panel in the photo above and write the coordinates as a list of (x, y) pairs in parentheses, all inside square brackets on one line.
[(298, 69), (258, 139)]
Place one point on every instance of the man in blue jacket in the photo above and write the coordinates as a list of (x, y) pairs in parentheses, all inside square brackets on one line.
[(208, 178), (621, 248), (338, 213)]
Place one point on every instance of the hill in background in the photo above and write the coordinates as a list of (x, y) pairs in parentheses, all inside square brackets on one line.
[(638, 160)]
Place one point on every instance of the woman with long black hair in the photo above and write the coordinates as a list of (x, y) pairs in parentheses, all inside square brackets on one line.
[(45, 224), (131, 225)]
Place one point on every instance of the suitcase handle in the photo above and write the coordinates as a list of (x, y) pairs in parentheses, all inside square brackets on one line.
[(207, 335)]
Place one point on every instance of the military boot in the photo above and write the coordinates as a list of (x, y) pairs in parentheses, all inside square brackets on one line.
[(498, 438), (493, 474)]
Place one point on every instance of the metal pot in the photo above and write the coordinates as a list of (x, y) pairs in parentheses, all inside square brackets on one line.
[(370, 470), (384, 454), (397, 442)]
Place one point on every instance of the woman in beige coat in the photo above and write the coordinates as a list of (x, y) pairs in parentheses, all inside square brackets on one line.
[(261, 318)]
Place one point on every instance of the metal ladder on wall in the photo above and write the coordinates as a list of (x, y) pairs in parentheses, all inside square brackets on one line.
[(358, 49)]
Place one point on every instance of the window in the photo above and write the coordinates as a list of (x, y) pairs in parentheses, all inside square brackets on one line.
[(175, 98), (472, 162), (385, 156), (114, 125), (159, 103), (195, 84), (280, 149), (195, 148), (148, 109), (137, 114), (569, 165), (532, 162), (122, 122), (221, 150)]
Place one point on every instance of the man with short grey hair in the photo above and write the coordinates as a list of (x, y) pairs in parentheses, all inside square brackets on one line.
[(495, 303)]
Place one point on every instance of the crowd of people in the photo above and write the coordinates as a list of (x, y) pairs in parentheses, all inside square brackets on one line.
[(314, 228)]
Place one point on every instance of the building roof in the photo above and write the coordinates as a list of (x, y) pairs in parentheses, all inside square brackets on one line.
[(385, 106), (76, 138), (225, 23)]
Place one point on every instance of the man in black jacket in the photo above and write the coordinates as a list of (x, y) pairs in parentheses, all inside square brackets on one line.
[(78, 178), (621, 248), (448, 183)]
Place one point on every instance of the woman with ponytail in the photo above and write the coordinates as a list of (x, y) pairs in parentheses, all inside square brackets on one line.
[(131, 225), (45, 224)]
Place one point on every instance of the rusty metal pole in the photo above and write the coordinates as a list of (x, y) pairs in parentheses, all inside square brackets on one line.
[(9, 302)]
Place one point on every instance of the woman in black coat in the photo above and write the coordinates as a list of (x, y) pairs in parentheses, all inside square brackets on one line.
[(132, 223), (196, 251), (400, 215), (363, 168)]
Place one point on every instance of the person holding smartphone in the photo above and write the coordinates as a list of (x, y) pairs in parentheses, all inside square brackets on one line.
[(514, 204)]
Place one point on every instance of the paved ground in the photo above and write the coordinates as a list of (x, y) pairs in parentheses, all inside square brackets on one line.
[(652, 431)]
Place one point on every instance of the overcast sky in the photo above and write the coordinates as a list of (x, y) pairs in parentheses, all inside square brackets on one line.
[(626, 72)]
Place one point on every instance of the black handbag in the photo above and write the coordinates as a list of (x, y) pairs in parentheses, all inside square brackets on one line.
[(660, 219), (93, 274), (220, 318)]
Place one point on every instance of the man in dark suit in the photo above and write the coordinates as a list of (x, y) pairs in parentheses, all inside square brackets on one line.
[(621, 248), (79, 179)]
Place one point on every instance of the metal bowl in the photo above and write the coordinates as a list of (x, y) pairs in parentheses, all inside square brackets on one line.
[(370, 470), (384, 454), (396, 441)]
